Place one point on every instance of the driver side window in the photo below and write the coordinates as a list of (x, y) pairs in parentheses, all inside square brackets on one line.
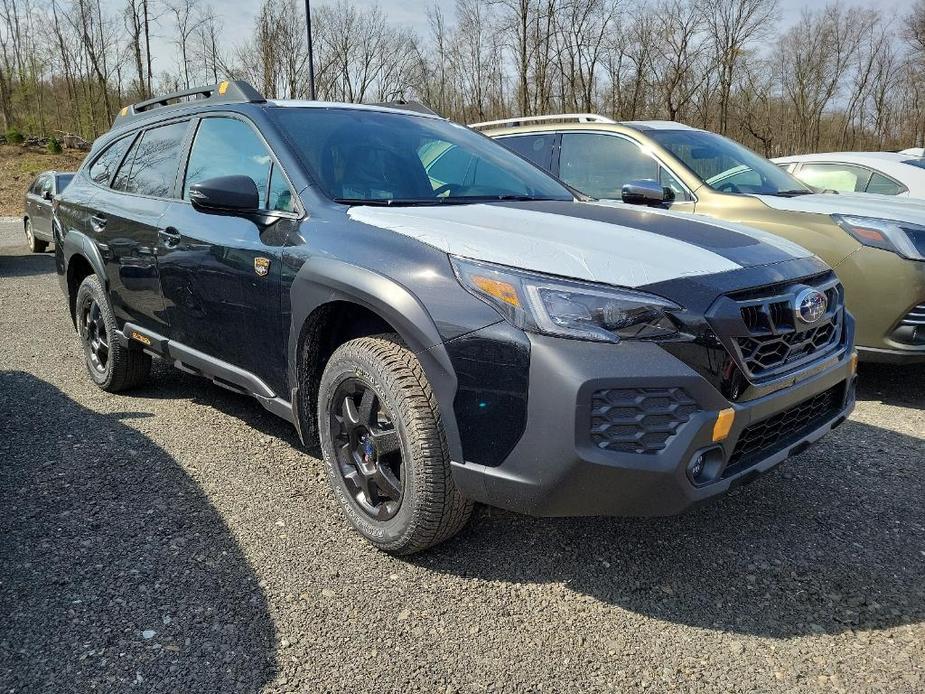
[(600, 165), (229, 147)]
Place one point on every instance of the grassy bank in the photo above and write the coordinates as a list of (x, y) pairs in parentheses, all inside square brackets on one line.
[(18, 168)]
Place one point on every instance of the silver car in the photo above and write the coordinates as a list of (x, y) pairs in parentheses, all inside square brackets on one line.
[(37, 215)]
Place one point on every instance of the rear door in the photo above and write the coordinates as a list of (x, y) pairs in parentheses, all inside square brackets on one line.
[(220, 273), (128, 220)]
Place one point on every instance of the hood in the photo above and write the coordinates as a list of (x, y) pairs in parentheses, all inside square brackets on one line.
[(900, 209), (628, 247)]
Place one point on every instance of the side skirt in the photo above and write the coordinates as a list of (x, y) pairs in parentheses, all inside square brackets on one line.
[(198, 363)]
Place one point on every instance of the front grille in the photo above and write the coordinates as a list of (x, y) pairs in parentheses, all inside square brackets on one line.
[(773, 342), (776, 433), (916, 316), (638, 420)]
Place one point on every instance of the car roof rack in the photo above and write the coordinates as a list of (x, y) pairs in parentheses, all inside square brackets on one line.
[(414, 106), (227, 92), (523, 120)]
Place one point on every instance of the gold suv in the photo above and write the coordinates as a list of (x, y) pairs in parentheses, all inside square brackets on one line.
[(875, 243)]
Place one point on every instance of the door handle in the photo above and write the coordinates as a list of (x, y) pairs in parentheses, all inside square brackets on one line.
[(98, 222), (170, 236)]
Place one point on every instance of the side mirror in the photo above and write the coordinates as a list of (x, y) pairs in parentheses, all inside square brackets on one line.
[(225, 194), (46, 194), (646, 192)]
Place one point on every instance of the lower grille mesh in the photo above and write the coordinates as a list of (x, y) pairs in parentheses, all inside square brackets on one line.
[(775, 433)]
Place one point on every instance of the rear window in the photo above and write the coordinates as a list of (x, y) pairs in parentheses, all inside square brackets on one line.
[(103, 169), (536, 148), (151, 166), (916, 162)]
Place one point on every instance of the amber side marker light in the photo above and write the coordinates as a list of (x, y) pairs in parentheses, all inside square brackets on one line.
[(501, 290), (854, 363), (723, 424)]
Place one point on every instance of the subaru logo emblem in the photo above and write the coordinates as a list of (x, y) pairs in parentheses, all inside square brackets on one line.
[(810, 305)]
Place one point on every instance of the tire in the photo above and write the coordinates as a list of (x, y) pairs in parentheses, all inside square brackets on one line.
[(35, 245), (397, 449), (112, 366)]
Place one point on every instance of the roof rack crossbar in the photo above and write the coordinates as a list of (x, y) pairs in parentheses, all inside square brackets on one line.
[(514, 122), (228, 91)]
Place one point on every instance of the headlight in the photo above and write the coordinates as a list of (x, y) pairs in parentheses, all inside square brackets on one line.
[(567, 308), (904, 238)]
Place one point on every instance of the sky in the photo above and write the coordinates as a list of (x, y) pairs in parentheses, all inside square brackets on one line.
[(237, 17)]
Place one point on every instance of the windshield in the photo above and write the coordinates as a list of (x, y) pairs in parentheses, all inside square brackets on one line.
[(727, 166), (373, 157)]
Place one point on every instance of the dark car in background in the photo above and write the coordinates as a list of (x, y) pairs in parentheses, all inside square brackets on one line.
[(37, 208)]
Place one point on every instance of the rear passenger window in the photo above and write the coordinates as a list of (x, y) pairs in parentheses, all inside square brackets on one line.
[(151, 166), (884, 186), (536, 148), (229, 147), (105, 165), (845, 178)]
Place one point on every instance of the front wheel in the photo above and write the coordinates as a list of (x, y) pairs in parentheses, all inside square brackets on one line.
[(385, 449), (35, 245)]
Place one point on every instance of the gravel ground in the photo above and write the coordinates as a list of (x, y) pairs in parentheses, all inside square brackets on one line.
[(179, 539)]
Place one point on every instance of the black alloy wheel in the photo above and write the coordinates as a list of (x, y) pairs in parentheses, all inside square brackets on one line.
[(94, 334), (368, 449)]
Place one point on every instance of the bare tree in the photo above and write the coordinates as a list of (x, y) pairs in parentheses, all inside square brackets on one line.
[(735, 24)]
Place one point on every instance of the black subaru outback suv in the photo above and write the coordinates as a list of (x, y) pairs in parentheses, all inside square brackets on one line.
[(446, 320)]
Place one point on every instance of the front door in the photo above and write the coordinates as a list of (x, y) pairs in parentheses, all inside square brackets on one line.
[(600, 164), (220, 273)]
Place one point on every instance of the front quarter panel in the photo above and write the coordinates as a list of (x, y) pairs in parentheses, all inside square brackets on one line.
[(815, 232), (409, 284)]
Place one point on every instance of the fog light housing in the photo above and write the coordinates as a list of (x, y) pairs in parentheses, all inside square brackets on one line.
[(705, 466), (910, 334)]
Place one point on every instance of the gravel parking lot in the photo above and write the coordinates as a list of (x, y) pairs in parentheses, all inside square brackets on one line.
[(179, 539)]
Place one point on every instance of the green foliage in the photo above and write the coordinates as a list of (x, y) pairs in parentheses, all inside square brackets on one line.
[(54, 146), (14, 137)]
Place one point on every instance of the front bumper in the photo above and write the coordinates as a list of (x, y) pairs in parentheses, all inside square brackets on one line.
[(880, 290), (557, 468)]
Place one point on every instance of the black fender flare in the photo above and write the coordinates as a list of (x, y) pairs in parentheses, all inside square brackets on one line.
[(78, 243), (323, 280)]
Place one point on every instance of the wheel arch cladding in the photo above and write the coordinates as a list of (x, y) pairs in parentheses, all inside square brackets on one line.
[(81, 258), (327, 292)]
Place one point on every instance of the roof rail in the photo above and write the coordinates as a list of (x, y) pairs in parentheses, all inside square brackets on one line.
[(401, 104), (225, 92), (514, 122)]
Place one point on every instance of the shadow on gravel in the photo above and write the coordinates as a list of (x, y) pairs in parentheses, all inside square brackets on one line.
[(27, 264), (902, 386), (831, 541), (115, 570), (169, 383)]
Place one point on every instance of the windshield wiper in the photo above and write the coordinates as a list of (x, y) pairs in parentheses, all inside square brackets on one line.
[(791, 193), (390, 202), (460, 200)]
